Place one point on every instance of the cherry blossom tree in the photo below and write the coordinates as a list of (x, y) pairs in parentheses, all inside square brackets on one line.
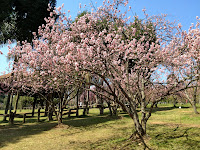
[(132, 56), (189, 47), (42, 65)]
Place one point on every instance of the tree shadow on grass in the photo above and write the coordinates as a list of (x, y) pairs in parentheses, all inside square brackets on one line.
[(154, 110), (13, 134), (18, 121), (88, 120), (181, 136), (163, 109)]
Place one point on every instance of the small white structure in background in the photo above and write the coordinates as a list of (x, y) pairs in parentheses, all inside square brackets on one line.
[(180, 107)]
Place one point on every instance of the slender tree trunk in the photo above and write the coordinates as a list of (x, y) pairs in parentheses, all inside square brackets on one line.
[(7, 106), (60, 110), (114, 107), (41, 103), (84, 102), (16, 104), (195, 100), (39, 114), (11, 114), (34, 103), (87, 102), (110, 108), (143, 124), (77, 101), (59, 118), (46, 108), (56, 114), (10, 92)]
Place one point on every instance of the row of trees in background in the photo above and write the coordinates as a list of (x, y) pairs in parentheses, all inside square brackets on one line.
[(129, 61), (24, 102), (18, 19)]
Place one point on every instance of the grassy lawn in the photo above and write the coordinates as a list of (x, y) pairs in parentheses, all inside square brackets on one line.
[(168, 128)]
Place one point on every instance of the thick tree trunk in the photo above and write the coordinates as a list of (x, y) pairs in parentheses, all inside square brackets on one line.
[(101, 106), (140, 130), (60, 110), (50, 109), (174, 102), (143, 117), (156, 105), (194, 100), (193, 103), (84, 111), (143, 123), (114, 109), (139, 127), (60, 118), (11, 118), (101, 109), (195, 108), (50, 113)]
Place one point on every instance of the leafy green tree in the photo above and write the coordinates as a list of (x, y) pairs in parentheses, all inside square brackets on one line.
[(2, 98), (19, 18)]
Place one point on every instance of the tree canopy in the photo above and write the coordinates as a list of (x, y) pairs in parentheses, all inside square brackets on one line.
[(19, 18)]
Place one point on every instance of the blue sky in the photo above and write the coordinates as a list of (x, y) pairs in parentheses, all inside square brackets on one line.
[(185, 11)]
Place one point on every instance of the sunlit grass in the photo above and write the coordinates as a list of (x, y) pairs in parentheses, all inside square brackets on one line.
[(168, 128)]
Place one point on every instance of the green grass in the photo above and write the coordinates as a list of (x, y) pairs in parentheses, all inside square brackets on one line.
[(168, 128)]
